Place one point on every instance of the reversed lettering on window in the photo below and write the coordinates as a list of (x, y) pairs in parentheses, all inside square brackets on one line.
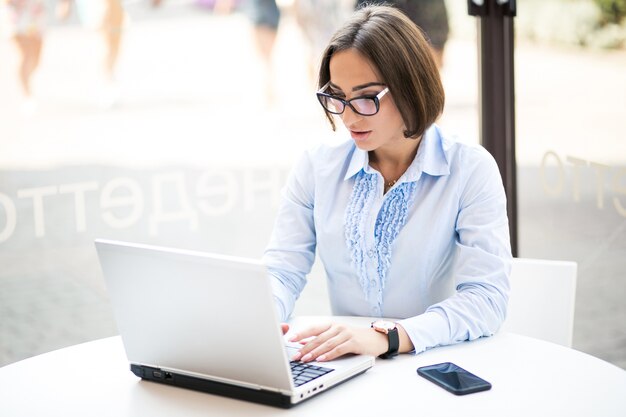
[(155, 202), (607, 184)]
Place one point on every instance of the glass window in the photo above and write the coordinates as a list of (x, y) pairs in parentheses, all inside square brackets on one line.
[(155, 128), (571, 156), (175, 126)]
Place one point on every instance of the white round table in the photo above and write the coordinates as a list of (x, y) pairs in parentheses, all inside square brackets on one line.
[(530, 377)]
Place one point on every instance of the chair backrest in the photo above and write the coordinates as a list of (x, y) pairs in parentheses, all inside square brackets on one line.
[(541, 302)]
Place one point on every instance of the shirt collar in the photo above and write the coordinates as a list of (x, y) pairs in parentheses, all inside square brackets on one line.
[(358, 161), (430, 158)]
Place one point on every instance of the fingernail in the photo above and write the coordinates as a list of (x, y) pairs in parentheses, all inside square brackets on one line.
[(296, 356), (306, 357), (321, 358), (293, 338)]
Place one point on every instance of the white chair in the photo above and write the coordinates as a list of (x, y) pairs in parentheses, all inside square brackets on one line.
[(541, 302)]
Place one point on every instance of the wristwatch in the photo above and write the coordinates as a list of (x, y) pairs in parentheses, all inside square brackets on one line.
[(391, 330)]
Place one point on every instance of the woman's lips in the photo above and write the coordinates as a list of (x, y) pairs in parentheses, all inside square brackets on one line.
[(356, 135)]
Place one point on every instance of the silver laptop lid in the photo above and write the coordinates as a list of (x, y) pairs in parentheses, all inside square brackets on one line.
[(196, 313)]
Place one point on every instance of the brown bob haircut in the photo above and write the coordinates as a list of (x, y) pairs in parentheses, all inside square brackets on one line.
[(401, 56)]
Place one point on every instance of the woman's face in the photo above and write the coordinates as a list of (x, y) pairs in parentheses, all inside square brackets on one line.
[(352, 75)]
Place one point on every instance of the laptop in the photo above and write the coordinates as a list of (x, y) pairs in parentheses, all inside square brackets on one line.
[(207, 322)]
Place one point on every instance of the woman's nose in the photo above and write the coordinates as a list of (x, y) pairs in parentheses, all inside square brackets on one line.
[(350, 117)]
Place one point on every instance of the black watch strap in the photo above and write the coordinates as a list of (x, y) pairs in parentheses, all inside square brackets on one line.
[(394, 344)]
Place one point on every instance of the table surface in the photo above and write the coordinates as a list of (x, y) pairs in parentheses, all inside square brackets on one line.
[(530, 377)]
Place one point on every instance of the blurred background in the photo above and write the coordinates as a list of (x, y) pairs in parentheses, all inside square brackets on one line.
[(176, 122)]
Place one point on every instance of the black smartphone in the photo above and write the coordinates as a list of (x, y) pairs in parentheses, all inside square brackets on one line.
[(453, 378)]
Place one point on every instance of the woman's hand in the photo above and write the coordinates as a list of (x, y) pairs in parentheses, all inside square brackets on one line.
[(329, 341)]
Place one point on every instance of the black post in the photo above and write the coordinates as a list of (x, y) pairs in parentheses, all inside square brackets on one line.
[(497, 93)]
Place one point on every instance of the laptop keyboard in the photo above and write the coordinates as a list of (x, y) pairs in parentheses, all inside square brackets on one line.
[(304, 372)]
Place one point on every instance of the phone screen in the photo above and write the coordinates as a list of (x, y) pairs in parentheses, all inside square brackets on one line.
[(453, 378)]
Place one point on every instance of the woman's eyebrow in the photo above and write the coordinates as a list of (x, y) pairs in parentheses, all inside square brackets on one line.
[(358, 87), (366, 85)]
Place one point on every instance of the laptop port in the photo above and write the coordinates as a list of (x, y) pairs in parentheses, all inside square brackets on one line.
[(314, 389), (321, 386), (168, 375), (157, 374)]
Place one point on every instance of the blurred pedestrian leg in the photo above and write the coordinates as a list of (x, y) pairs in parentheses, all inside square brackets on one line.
[(265, 17), (112, 26), (318, 20), (107, 17), (28, 19)]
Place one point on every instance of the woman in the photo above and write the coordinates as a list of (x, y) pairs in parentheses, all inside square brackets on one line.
[(408, 223)]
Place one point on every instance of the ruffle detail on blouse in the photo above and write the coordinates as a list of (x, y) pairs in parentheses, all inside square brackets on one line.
[(389, 221), (357, 214)]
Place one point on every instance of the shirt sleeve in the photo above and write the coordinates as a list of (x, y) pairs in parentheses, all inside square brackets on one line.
[(290, 254), (482, 264)]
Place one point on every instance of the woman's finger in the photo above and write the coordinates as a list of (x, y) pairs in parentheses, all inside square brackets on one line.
[(310, 332)]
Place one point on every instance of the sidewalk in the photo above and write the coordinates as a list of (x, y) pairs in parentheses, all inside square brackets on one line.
[(195, 78)]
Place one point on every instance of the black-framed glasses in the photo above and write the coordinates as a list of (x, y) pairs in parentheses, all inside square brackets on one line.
[(363, 105)]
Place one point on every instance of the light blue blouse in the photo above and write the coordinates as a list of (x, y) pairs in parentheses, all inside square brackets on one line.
[(434, 251)]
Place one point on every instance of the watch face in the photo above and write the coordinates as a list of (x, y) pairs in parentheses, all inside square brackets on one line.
[(383, 324)]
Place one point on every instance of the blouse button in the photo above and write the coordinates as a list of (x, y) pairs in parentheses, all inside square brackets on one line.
[(370, 253)]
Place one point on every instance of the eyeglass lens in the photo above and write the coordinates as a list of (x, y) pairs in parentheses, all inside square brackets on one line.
[(364, 106)]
